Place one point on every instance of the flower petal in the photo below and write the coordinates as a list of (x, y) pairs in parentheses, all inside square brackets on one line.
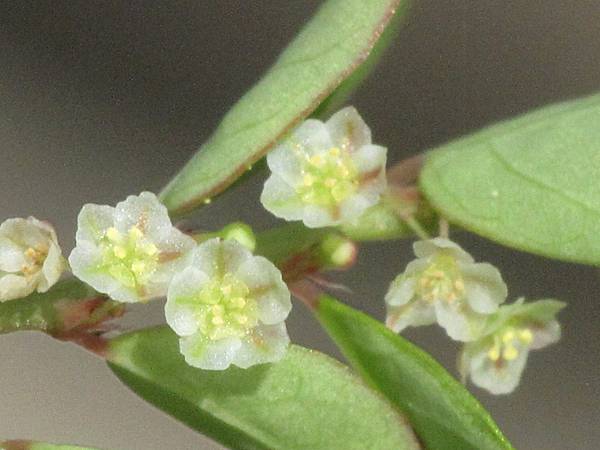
[(484, 287), (460, 324), (424, 249), (370, 159), (312, 137), (145, 212), (413, 314), (401, 291), (500, 378), (12, 257), (543, 336), (16, 286), (85, 261), (348, 130), (265, 283), (281, 199), (286, 163), (93, 221), (180, 308), (315, 216), (52, 269), (199, 351), (265, 344)]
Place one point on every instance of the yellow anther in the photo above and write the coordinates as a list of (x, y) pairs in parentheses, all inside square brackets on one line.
[(217, 310), (424, 282), (438, 274), (226, 289), (526, 336), (207, 201), (334, 151), (459, 285), (238, 302), (508, 337), (119, 252), (217, 320), (113, 234), (135, 233), (510, 353), (316, 160), (330, 182), (138, 267), (451, 297), (150, 249), (30, 253), (308, 180), (494, 353)]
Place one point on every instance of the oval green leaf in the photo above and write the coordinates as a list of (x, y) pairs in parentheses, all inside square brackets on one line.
[(306, 401), (443, 413), (334, 43), (530, 183)]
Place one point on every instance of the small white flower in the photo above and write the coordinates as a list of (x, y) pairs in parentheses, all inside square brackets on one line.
[(496, 361), (229, 307), (325, 173), (446, 286), (30, 257), (131, 251)]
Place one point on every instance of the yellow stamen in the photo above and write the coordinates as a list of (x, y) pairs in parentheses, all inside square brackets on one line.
[(494, 353), (508, 337), (526, 336), (119, 252), (510, 353), (113, 234), (135, 233)]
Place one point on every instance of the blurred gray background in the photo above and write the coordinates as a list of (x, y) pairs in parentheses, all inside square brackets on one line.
[(101, 99)]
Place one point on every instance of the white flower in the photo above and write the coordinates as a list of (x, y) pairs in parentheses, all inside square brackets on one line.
[(496, 361), (444, 285), (30, 257), (229, 307), (129, 252), (325, 173)]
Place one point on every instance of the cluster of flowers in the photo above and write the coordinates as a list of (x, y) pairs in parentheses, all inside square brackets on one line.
[(327, 174), (227, 305), (446, 286)]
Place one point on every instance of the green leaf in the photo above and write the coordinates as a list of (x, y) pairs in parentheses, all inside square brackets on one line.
[(306, 401), (329, 48), (68, 305), (529, 183), (32, 445), (442, 412)]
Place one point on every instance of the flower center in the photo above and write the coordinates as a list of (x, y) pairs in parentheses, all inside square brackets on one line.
[(226, 308), (442, 280), (130, 258), (509, 343), (35, 257), (327, 178)]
